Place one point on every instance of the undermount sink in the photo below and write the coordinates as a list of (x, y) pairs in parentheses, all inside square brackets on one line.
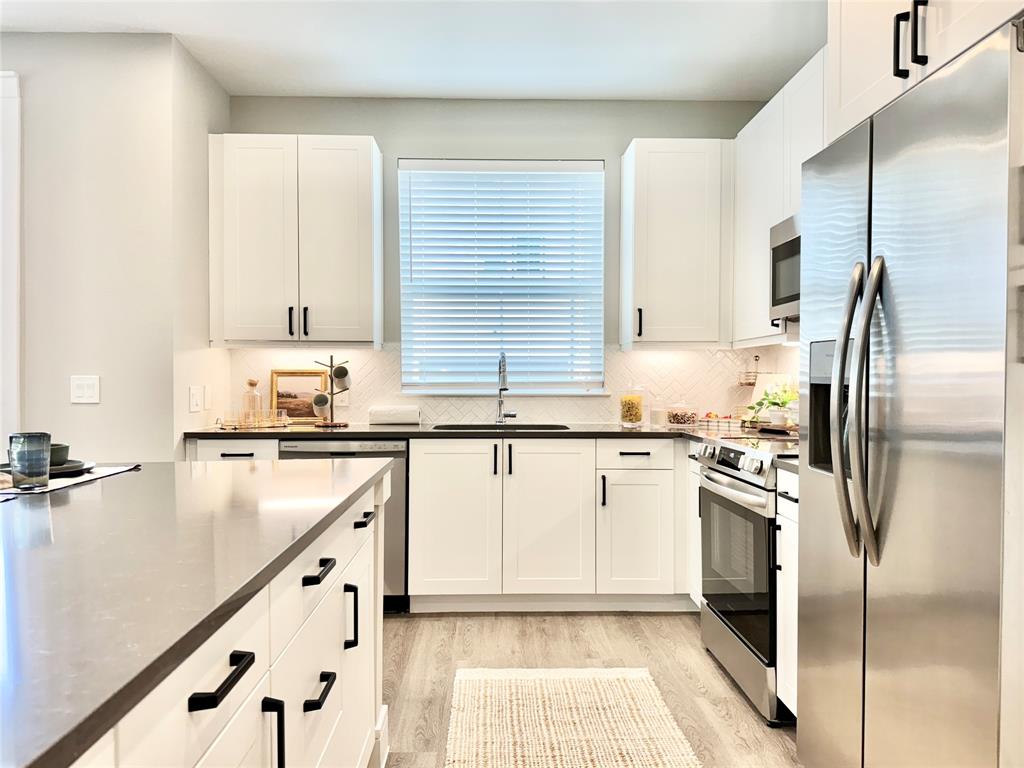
[(493, 427)]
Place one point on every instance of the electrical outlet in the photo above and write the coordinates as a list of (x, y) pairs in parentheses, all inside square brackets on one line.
[(195, 398), (85, 389)]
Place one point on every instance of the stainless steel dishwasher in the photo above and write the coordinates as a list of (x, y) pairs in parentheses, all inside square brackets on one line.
[(396, 523)]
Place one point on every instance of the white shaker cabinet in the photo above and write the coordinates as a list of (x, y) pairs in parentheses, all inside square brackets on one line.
[(455, 511), (671, 240), (259, 276), (804, 125), (635, 531), (296, 239), (693, 534), (787, 539), (548, 514), (952, 26)]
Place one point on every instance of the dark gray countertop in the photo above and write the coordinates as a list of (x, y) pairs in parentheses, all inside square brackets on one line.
[(789, 465), (106, 587), (409, 431)]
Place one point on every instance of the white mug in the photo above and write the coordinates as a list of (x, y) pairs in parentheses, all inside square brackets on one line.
[(322, 405), (342, 378)]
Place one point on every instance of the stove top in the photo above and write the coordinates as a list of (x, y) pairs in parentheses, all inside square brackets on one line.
[(749, 457)]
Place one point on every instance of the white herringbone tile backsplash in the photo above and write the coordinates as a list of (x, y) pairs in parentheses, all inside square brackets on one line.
[(705, 379)]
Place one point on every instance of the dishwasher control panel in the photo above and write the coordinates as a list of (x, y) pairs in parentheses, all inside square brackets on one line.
[(329, 447)]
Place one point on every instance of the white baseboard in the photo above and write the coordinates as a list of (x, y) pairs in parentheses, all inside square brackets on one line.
[(551, 603), (382, 748)]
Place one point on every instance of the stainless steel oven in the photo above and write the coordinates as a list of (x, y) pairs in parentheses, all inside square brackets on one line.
[(785, 276)]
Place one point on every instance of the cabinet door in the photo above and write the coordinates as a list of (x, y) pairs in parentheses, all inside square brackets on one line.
[(249, 740), (952, 26), (693, 531), (261, 239), (677, 239), (760, 189), (336, 237), (548, 541), (804, 118), (635, 532), (787, 549), (455, 517), (859, 61)]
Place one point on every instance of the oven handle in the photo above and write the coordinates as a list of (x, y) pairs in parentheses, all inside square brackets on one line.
[(749, 500), (853, 293)]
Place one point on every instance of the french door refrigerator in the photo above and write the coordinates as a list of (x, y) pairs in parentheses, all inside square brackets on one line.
[(911, 242)]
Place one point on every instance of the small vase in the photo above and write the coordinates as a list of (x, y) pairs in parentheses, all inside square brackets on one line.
[(777, 417)]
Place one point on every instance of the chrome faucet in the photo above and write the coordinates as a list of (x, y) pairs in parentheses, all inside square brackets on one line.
[(502, 389)]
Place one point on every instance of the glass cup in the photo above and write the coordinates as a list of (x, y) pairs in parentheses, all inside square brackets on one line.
[(30, 460)]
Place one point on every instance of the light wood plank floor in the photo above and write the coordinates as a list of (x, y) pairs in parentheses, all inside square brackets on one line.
[(421, 654)]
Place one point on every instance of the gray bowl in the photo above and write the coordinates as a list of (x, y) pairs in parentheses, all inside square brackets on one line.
[(58, 454)]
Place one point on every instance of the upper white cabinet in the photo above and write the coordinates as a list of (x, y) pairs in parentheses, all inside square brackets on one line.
[(865, 71), (803, 116), (548, 511), (296, 238), (671, 241)]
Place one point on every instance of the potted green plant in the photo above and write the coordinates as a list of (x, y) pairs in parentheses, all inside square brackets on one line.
[(774, 404)]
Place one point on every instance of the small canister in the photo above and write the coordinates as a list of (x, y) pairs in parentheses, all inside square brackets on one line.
[(631, 408), (680, 414)]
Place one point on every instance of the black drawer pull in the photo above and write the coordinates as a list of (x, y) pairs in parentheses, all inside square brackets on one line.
[(693, 456), (604, 490), (634, 453), (367, 519), (897, 20), (326, 566), (240, 661), (312, 705), (277, 707), (249, 455), (355, 616), (787, 497), (915, 31)]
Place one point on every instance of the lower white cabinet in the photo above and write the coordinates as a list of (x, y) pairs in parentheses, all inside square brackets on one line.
[(787, 537), (248, 740), (635, 527), (693, 535), (234, 450), (548, 517), (455, 517)]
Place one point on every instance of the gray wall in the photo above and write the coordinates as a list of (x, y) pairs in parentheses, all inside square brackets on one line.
[(485, 129)]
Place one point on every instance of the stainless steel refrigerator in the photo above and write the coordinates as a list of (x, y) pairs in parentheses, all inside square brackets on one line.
[(911, 242)]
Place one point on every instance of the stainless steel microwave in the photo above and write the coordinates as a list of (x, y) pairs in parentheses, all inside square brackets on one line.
[(785, 278)]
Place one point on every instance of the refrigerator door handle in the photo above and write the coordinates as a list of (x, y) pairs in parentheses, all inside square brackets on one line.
[(853, 293), (856, 416)]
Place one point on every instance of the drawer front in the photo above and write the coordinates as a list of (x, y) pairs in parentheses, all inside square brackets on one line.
[(235, 450), (160, 731), (291, 602), (788, 510), (788, 483), (636, 453), (100, 755), (298, 678), (249, 739)]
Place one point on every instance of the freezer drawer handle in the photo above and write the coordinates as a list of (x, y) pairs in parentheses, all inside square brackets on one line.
[(787, 497), (897, 21), (249, 455), (915, 40), (312, 705), (857, 386), (326, 566), (367, 519), (240, 661), (277, 707), (634, 453), (354, 642)]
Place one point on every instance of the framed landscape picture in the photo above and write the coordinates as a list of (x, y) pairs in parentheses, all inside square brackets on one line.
[(293, 392)]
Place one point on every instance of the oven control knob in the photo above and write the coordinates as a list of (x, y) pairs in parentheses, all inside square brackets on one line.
[(708, 451), (752, 465)]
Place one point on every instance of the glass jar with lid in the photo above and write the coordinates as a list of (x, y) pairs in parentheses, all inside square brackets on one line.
[(631, 408), (680, 414)]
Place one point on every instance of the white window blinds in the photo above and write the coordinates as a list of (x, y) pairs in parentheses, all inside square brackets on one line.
[(502, 256)]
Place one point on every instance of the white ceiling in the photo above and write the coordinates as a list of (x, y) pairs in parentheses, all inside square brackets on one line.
[(571, 49)]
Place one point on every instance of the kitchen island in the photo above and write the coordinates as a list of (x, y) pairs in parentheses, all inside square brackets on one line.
[(107, 588)]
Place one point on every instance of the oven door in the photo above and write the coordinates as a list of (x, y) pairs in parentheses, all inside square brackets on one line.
[(738, 558)]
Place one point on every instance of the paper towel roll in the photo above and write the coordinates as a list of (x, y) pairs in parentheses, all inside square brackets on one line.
[(394, 414)]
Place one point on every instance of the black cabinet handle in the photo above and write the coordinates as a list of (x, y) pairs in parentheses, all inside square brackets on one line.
[(604, 490), (639, 321), (326, 566), (291, 321), (241, 661), (367, 519), (249, 455), (915, 52), (693, 456), (510, 458), (778, 567), (495, 458), (312, 705), (634, 453), (787, 497), (897, 20), (277, 707), (305, 321), (355, 616)]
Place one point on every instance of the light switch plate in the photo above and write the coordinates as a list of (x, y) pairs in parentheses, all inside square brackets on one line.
[(195, 398), (85, 389)]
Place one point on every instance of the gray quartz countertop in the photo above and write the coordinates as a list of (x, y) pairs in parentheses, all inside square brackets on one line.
[(106, 587), (419, 431), (789, 464)]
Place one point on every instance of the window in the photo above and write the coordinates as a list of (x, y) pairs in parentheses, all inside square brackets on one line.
[(502, 256)]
